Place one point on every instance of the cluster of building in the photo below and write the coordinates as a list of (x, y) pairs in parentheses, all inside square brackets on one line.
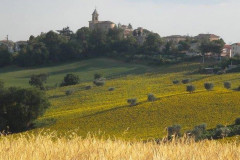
[(140, 35), (228, 50), (13, 46), (107, 25)]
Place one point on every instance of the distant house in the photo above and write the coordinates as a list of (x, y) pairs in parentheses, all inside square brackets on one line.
[(236, 49), (175, 38), (9, 44), (227, 51), (127, 30), (194, 50), (211, 37)]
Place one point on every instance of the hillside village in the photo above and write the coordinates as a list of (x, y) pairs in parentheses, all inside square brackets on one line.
[(140, 34)]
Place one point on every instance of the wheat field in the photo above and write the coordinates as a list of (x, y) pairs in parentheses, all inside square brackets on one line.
[(46, 146)]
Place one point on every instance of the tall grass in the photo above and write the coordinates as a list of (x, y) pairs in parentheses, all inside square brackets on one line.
[(47, 146)]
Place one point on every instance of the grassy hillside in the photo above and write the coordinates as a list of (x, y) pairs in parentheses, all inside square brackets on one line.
[(101, 110), (16, 76)]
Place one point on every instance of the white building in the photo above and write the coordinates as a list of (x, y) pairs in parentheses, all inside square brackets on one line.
[(236, 49)]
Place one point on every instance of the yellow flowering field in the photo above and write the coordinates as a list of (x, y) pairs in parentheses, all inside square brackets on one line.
[(98, 109)]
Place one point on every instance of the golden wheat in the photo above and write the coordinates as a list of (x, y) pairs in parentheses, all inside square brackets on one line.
[(48, 147)]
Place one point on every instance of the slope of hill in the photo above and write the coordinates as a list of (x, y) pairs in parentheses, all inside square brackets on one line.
[(101, 110), (16, 76)]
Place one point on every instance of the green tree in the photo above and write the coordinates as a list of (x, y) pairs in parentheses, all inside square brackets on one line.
[(70, 79), (153, 42), (5, 56), (20, 107), (53, 42), (183, 46), (38, 80)]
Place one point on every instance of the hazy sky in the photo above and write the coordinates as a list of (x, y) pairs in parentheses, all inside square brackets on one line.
[(22, 18)]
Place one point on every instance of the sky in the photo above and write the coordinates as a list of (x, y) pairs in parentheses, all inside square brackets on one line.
[(22, 18)]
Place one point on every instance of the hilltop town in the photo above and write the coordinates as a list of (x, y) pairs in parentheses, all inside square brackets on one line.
[(187, 45)]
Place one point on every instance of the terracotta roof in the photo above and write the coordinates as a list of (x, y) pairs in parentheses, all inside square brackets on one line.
[(208, 35), (227, 46)]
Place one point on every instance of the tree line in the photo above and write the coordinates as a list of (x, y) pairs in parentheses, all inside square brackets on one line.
[(52, 47)]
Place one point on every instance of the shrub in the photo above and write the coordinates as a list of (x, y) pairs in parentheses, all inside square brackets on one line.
[(237, 121), (190, 88), (185, 81), (220, 126), (70, 79), (208, 86), (88, 87), (174, 130), (111, 89), (238, 89), (97, 76), (227, 85), (20, 107), (38, 80), (199, 130), (176, 82), (99, 82), (69, 92), (222, 132), (132, 101), (151, 97)]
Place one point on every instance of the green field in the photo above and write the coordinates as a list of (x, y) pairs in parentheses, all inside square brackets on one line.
[(101, 110)]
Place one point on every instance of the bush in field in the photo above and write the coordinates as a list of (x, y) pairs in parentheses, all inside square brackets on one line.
[(185, 81), (70, 79), (190, 88), (97, 76), (151, 97), (20, 107), (111, 89), (222, 132), (174, 130), (227, 85), (176, 82), (132, 101), (208, 86), (88, 87), (199, 130), (238, 89), (69, 92), (220, 126), (99, 82), (237, 121), (38, 80)]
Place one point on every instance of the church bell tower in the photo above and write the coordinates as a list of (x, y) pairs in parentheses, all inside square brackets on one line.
[(95, 16)]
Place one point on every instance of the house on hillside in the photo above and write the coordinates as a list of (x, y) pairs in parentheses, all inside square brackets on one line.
[(127, 30), (236, 49), (101, 25), (9, 44), (227, 51), (193, 50), (210, 37)]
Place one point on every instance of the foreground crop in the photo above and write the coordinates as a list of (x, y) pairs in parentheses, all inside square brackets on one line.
[(47, 146)]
